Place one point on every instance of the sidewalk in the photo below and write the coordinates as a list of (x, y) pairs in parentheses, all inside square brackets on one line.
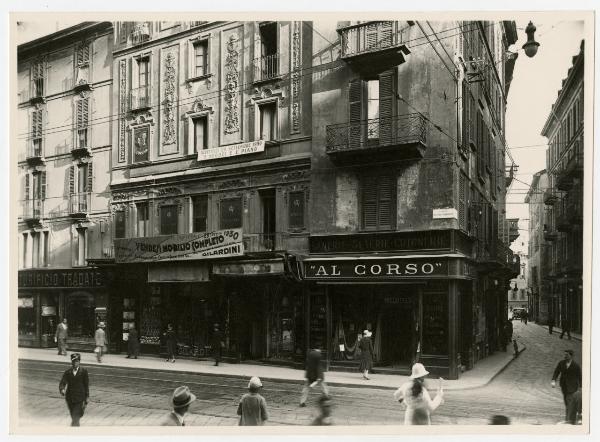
[(558, 331), (483, 372)]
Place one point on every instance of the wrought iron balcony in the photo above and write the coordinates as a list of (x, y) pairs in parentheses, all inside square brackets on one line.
[(402, 136), (263, 242), (140, 34), (375, 46), (550, 197), (80, 204), (33, 210), (266, 68), (140, 98), (35, 153), (82, 143), (37, 91), (571, 167)]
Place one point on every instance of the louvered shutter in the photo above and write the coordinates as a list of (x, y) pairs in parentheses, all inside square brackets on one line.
[(466, 114), (83, 109), (83, 54), (90, 177), (385, 202), (369, 202), (43, 185), (71, 179), (371, 36), (27, 191), (386, 34), (355, 93), (386, 106), (37, 122), (461, 201)]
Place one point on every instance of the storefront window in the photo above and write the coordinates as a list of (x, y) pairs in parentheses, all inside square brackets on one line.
[(80, 314), (49, 314), (151, 321), (435, 324), (285, 313), (26, 317)]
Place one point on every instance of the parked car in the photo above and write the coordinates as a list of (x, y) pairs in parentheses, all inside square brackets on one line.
[(518, 312)]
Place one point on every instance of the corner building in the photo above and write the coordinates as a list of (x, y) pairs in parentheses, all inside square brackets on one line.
[(63, 149), (408, 233), (210, 185)]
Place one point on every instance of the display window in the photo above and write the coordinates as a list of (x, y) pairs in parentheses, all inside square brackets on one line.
[(80, 312), (27, 317), (49, 315), (285, 320)]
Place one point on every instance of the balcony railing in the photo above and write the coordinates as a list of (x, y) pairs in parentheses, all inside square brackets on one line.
[(140, 98), (80, 204), (377, 133), (32, 210), (37, 89), (370, 37), (266, 67), (140, 34), (550, 197), (34, 151), (263, 242)]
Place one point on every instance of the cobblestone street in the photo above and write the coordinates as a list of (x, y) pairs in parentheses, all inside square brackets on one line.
[(128, 396)]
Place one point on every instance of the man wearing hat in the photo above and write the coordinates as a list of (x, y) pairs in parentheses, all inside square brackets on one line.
[(74, 386), (100, 338), (181, 400)]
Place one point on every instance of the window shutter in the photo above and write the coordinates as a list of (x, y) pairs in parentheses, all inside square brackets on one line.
[(72, 179), (27, 194), (461, 201), (43, 185), (387, 98), (355, 106), (90, 176), (82, 113), (369, 203), (371, 36), (386, 202), (385, 38), (83, 54), (466, 103), (37, 120)]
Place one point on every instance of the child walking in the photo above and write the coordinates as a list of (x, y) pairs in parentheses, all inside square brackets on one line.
[(253, 407)]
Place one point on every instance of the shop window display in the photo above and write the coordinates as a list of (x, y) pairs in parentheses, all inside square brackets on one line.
[(26, 317), (435, 324), (285, 314), (49, 317), (151, 322), (80, 311), (129, 318)]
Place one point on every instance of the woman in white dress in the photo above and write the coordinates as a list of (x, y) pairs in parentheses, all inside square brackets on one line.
[(415, 397)]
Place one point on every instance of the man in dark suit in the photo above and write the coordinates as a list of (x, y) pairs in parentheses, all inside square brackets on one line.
[(74, 385), (570, 379), (181, 400)]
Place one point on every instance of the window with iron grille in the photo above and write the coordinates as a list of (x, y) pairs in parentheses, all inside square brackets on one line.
[(168, 220), (199, 213), (378, 202)]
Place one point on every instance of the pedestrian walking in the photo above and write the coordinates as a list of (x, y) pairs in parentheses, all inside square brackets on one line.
[(100, 338), (525, 316), (60, 337), (324, 417), (566, 328), (415, 397), (252, 408), (75, 387), (217, 344), (550, 324), (313, 376), (570, 379), (366, 354), (133, 344), (509, 331), (180, 401), (171, 341)]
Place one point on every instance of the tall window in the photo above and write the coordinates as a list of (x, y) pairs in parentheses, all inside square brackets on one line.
[(37, 79), (120, 224), (142, 219), (268, 128), (267, 199), (143, 71), (296, 210), (36, 132), (200, 58), (199, 213), (200, 133), (231, 213), (82, 122), (378, 202), (168, 220)]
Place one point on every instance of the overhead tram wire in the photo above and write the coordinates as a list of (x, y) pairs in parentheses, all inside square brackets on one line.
[(216, 93)]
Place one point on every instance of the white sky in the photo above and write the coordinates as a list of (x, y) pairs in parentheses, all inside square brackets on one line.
[(534, 89)]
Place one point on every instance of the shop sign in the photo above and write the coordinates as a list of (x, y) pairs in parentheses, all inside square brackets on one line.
[(382, 242), (25, 303), (217, 244), (270, 268), (71, 278), (385, 268), (448, 213), (233, 150)]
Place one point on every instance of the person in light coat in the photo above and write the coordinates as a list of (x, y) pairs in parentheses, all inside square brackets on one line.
[(60, 337), (100, 338), (415, 397)]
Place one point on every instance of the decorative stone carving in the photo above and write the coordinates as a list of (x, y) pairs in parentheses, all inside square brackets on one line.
[(168, 191), (232, 119), (146, 118), (169, 129), (295, 175), (295, 77), (122, 110), (232, 184)]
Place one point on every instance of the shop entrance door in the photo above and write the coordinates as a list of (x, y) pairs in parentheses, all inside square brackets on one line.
[(397, 330)]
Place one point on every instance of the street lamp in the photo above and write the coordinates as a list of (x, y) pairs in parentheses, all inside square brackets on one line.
[(531, 46)]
